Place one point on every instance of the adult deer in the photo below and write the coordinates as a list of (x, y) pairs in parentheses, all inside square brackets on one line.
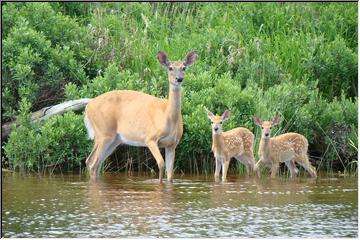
[(237, 143), (288, 148), (138, 119)]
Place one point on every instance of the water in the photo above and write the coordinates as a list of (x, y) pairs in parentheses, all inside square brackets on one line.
[(120, 206)]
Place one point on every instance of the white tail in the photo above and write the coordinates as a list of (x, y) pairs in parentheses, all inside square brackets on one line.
[(89, 129), (288, 148), (138, 119), (237, 143)]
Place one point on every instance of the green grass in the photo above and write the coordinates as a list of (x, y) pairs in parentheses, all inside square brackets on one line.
[(298, 60)]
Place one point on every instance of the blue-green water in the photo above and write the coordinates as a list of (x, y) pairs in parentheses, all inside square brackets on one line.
[(192, 206)]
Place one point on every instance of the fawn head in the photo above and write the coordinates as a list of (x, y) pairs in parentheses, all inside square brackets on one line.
[(266, 125), (176, 69), (217, 121)]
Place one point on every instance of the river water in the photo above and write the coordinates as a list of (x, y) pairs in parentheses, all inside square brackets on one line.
[(117, 205)]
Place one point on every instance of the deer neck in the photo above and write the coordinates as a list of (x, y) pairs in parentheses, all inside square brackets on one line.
[(174, 103), (265, 148), (218, 142)]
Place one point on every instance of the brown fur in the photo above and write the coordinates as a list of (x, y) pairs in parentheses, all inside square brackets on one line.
[(236, 143), (135, 118), (288, 148)]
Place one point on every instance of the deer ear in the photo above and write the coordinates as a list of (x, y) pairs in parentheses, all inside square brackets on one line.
[(209, 114), (257, 121), (275, 120), (226, 115), (190, 58), (163, 60)]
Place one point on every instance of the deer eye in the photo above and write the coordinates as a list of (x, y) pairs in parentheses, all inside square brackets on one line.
[(212, 122), (270, 127), (170, 69), (220, 122), (184, 68)]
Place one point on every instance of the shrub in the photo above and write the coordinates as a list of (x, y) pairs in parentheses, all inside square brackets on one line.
[(335, 66), (298, 61), (59, 142), (39, 56)]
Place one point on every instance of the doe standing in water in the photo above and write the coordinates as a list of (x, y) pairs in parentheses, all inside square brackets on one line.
[(138, 119), (237, 143), (288, 148)]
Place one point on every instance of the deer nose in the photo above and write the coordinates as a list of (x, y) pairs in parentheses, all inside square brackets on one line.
[(266, 134), (178, 79), (216, 129)]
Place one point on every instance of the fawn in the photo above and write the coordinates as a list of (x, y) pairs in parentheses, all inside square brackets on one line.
[(288, 148), (237, 143)]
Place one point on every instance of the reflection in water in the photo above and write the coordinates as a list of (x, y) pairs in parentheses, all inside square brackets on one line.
[(119, 206), (139, 205)]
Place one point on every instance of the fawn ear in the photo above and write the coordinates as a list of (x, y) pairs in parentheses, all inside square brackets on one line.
[(226, 115), (209, 114), (275, 120), (257, 121), (190, 58), (163, 60)]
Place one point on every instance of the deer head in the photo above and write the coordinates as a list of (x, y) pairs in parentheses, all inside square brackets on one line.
[(266, 126), (217, 121), (176, 69)]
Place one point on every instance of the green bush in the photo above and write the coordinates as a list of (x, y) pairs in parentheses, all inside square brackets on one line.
[(335, 65), (40, 57), (60, 142), (298, 61)]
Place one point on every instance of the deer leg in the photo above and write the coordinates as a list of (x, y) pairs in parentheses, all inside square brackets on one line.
[(305, 163), (274, 169), (248, 168), (296, 170), (154, 149), (291, 166), (256, 168), (106, 152), (244, 160), (248, 160), (105, 147), (93, 159), (252, 164), (217, 168), (225, 166), (251, 161), (169, 162), (91, 155)]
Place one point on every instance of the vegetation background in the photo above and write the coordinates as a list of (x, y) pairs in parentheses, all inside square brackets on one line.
[(295, 59)]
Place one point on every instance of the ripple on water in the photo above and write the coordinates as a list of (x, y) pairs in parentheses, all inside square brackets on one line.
[(119, 207)]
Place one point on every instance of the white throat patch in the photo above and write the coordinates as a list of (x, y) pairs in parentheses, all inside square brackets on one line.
[(175, 87)]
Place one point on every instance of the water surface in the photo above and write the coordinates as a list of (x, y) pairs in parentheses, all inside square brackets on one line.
[(117, 205)]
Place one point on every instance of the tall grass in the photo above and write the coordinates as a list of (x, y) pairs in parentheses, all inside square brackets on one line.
[(294, 59)]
